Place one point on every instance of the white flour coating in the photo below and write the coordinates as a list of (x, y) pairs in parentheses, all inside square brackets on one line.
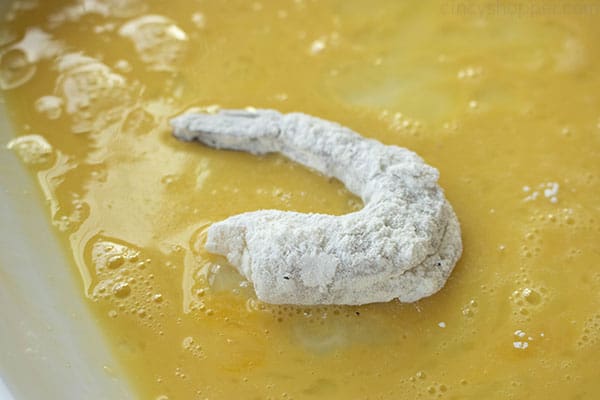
[(403, 244)]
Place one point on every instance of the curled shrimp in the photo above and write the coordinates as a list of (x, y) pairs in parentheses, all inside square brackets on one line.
[(402, 244)]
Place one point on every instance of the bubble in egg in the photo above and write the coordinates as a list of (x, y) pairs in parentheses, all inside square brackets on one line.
[(50, 106), (94, 95), (32, 149), (106, 8), (15, 69), (18, 62), (158, 41)]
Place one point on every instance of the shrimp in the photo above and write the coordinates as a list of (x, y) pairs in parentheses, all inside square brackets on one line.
[(403, 244)]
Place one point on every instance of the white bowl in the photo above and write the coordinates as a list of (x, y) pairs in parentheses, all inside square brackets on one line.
[(50, 346)]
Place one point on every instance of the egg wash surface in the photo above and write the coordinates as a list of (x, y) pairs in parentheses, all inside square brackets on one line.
[(505, 106)]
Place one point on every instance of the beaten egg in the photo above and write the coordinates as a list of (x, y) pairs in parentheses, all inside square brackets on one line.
[(502, 98)]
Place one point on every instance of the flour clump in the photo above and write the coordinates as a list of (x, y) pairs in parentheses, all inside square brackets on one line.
[(403, 244)]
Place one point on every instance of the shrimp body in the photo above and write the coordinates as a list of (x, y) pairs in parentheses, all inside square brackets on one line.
[(403, 244)]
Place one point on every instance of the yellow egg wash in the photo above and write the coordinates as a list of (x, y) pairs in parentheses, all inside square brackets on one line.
[(504, 101)]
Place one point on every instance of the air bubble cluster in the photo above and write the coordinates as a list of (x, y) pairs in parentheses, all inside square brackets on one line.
[(547, 190), (191, 345), (590, 335), (18, 62), (70, 215), (470, 73), (527, 300), (400, 123), (120, 277), (94, 96), (430, 388), (159, 42), (470, 309), (32, 149), (107, 8), (521, 340), (50, 106)]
